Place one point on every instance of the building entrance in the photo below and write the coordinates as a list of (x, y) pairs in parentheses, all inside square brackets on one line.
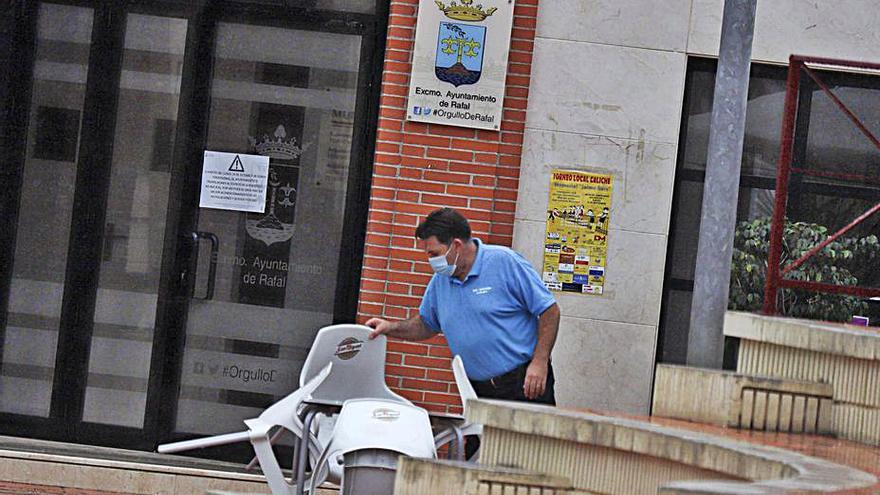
[(130, 315)]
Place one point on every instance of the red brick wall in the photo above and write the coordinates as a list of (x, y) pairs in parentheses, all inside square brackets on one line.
[(421, 167)]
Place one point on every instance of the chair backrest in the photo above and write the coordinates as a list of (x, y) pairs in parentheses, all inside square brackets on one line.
[(376, 424), (383, 424), (465, 389), (358, 365)]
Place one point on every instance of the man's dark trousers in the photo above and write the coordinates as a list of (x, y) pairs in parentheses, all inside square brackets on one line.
[(509, 386)]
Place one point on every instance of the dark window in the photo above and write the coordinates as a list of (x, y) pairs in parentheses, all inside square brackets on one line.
[(294, 76), (824, 140), (56, 134), (163, 145)]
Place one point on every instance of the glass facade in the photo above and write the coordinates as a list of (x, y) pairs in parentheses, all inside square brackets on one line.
[(33, 312), (825, 140), (129, 315), (134, 228)]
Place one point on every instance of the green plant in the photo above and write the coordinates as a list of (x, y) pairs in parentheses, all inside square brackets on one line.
[(842, 262)]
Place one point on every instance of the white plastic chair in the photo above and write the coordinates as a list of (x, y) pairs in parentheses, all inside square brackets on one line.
[(284, 414), (358, 365), (465, 389), (458, 432), (343, 364), (376, 424), (358, 372), (466, 392)]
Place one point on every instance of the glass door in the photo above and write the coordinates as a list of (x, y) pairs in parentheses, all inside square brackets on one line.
[(45, 209), (264, 283), (134, 226)]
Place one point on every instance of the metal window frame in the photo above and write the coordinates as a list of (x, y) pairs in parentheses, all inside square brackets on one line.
[(775, 273)]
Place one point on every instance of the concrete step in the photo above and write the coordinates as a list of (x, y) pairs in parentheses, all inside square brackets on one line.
[(847, 357), (739, 400), (37, 466)]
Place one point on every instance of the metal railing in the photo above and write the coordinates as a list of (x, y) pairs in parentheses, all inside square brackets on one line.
[(775, 273)]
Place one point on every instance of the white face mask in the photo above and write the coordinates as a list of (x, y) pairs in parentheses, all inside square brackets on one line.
[(441, 266)]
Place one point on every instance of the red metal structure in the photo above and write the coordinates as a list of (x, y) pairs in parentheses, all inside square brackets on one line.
[(775, 274)]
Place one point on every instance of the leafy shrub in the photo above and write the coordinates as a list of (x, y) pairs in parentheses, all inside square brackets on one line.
[(843, 262)]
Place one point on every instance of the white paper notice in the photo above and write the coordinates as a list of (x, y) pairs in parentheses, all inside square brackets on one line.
[(234, 181)]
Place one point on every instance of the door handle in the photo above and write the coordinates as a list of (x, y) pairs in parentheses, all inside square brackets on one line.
[(197, 237)]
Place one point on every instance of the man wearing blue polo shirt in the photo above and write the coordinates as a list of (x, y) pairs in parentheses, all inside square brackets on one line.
[(492, 307)]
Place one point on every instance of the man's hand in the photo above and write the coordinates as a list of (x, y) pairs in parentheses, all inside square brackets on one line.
[(536, 375), (411, 329), (379, 326), (536, 379)]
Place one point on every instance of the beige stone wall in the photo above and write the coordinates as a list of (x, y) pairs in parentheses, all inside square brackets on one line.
[(437, 477), (742, 401), (856, 409), (612, 455), (75, 473), (606, 96), (845, 357), (593, 468)]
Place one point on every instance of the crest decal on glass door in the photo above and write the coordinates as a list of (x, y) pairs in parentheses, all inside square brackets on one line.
[(282, 194)]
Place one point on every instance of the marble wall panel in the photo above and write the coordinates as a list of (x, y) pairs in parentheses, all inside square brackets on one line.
[(643, 174), (660, 24), (612, 91), (604, 365), (633, 280), (844, 29)]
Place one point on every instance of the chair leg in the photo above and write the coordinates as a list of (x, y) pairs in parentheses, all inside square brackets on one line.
[(303, 452), (271, 469), (272, 441), (459, 443)]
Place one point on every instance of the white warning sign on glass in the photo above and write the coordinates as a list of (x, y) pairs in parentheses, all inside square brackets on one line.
[(234, 181)]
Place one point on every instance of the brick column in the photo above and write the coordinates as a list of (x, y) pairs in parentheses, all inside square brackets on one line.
[(421, 167)]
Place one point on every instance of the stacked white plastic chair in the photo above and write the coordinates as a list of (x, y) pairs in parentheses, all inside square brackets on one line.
[(376, 425), (358, 372), (454, 436), (279, 413), (346, 370)]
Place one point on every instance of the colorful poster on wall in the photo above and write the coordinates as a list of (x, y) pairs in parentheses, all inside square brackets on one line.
[(575, 241)]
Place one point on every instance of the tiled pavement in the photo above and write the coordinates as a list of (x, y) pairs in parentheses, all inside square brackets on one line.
[(859, 456), (7, 488)]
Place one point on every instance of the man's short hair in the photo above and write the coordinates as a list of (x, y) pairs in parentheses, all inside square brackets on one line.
[(445, 224)]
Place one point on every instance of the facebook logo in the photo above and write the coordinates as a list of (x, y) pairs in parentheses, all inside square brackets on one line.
[(417, 110)]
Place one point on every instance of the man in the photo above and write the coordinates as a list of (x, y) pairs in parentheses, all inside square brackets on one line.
[(492, 307)]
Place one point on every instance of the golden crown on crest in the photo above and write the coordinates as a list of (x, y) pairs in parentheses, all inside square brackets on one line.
[(466, 11), (277, 147)]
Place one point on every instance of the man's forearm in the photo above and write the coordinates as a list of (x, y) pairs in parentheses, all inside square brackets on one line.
[(411, 329), (548, 327)]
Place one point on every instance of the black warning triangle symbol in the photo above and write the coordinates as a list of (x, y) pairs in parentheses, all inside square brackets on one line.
[(236, 166)]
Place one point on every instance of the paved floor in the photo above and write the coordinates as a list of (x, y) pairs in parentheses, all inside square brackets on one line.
[(7, 488), (859, 456), (111, 454), (39, 467)]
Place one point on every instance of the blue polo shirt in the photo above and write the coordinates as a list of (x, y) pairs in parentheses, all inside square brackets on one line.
[(491, 318)]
